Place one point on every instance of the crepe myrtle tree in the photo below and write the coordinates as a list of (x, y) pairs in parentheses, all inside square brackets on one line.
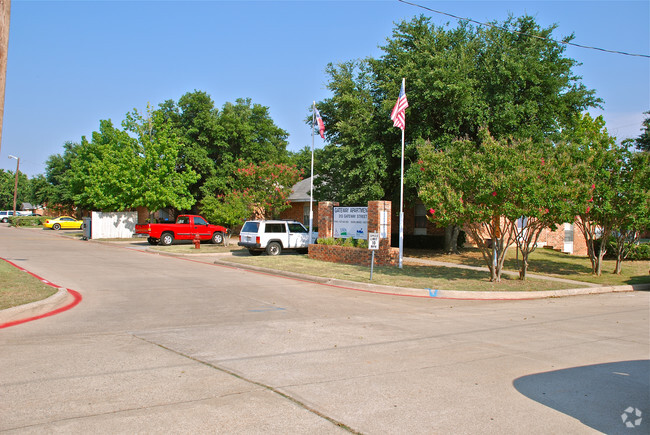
[(258, 191), (632, 204), (598, 172), (503, 192)]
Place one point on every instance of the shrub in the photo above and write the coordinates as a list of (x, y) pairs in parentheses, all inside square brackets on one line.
[(27, 221), (326, 241), (639, 252)]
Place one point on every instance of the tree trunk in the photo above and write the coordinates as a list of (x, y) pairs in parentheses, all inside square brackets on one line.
[(599, 263), (524, 265), (451, 239), (619, 266)]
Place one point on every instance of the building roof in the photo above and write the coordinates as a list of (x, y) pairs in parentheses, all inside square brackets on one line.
[(300, 192)]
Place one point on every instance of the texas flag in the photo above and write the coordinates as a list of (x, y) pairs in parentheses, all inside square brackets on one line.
[(321, 126)]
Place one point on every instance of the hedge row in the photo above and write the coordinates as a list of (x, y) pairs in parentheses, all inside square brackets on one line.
[(640, 252)]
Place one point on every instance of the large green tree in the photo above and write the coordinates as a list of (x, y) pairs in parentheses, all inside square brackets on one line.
[(510, 79), (136, 166), (157, 181), (194, 119), (643, 141), (59, 196)]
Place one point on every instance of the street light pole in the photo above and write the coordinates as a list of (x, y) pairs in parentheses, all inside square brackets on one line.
[(16, 183)]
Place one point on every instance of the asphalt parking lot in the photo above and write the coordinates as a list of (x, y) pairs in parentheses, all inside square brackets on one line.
[(163, 344)]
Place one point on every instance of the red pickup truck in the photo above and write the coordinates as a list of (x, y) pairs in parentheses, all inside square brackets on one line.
[(185, 228)]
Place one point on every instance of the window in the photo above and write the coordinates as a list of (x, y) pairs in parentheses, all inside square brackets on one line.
[(250, 227), (297, 228), (183, 220), (275, 228), (420, 220), (199, 221)]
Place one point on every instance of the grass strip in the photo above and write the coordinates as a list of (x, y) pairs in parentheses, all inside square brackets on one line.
[(19, 288)]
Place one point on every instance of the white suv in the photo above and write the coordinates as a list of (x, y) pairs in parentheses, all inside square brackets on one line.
[(5, 215), (273, 236)]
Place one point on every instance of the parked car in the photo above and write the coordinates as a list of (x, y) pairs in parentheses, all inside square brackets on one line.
[(5, 215), (187, 227), (63, 222), (273, 236)]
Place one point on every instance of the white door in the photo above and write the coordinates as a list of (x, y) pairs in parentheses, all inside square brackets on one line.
[(298, 236), (568, 238)]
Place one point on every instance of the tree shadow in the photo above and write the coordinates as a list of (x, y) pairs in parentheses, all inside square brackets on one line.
[(597, 395), (435, 272)]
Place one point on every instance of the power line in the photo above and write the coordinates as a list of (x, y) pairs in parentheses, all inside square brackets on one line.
[(521, 33)]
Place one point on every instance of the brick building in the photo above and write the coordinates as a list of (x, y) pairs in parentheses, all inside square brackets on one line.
[(567, 238)]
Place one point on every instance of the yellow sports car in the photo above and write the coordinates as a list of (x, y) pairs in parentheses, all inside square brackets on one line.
[(63, 222)]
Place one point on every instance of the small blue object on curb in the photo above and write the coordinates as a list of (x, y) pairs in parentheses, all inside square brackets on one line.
[(432, 293)]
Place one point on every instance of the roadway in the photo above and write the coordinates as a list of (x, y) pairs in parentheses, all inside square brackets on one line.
[(164, 344)]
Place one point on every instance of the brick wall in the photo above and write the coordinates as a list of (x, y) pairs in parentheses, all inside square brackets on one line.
[(326, 219), (357, 256), (384, 256)]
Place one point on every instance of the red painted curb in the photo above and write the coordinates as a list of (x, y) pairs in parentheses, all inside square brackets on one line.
[(76, 300)]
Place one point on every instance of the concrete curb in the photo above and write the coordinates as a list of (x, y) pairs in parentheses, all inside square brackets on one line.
[(59, 299), (436, 293)]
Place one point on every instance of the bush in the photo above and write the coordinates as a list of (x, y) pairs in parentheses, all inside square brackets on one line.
[(27, 221), (349, 242), (363, 244), (639, 252)]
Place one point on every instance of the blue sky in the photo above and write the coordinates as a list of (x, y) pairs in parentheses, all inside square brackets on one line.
[(74, 63)]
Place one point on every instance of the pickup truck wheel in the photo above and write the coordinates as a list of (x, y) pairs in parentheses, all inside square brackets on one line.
[(254, 253), (273, 248), (152, 241), (166, 239), (217, 238)]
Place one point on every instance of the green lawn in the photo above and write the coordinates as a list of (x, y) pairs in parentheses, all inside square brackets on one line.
[(433, 277), (20, 288), (552, 263), (542, 261)]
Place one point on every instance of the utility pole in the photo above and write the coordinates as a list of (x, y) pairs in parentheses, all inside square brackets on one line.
[(16, 183), (5, 7)]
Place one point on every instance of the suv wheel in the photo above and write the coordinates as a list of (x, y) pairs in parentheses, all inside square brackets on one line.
[(273, 248), (254, 252)]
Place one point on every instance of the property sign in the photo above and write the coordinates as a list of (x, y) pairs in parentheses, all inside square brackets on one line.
[(373, 241), (351, 222)]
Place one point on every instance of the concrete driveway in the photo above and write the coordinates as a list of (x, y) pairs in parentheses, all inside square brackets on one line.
[(162, 344)]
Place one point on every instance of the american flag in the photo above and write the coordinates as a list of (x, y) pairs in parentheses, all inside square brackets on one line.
[(397, 115), (321, 126)]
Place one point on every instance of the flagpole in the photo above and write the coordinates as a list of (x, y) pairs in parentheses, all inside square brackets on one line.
[(311, 178), (401, 196)]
